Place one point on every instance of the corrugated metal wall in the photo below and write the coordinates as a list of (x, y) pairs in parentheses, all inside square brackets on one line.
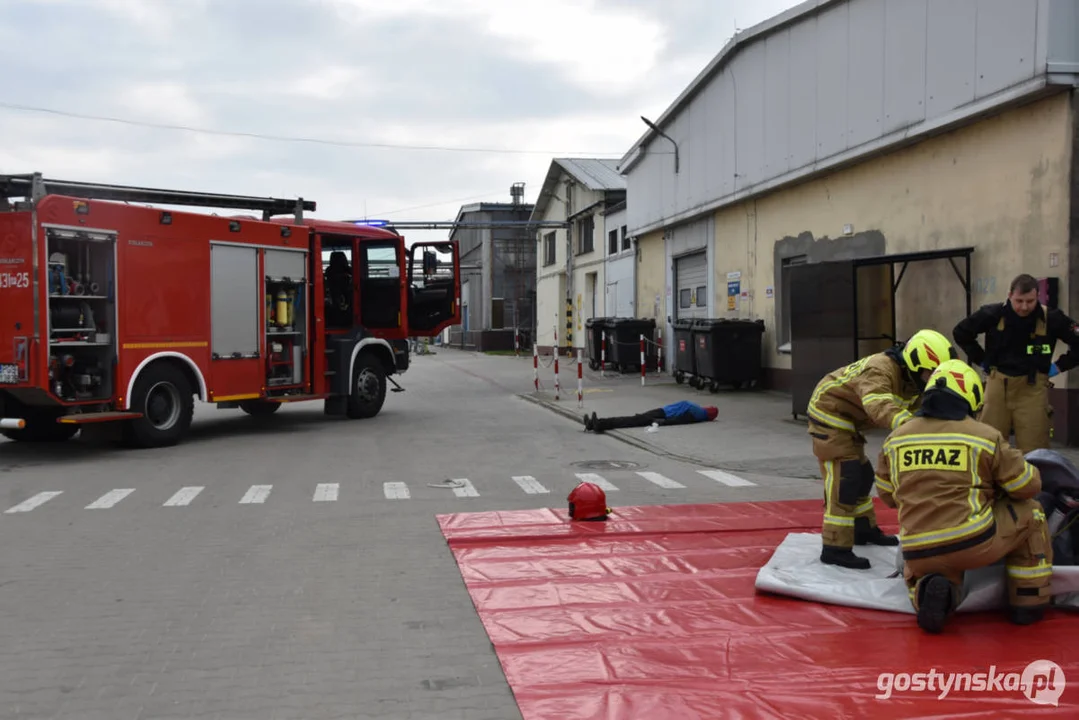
[(819, 89)]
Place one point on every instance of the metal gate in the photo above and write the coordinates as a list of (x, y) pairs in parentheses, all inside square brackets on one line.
[(823, 332), (691, 286)]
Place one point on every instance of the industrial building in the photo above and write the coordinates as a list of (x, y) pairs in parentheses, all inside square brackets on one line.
[(498, 279), (912, 157), (572, 262)]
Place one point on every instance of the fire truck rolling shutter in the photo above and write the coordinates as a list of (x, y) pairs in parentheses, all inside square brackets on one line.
[(291, 264), (234, 301)]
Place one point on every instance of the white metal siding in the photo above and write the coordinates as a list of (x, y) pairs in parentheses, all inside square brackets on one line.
[(691, 281), (619, 271), (620, 287), (837, 84)]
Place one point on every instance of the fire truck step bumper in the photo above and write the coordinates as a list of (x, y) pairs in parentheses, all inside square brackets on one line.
[(12, 423), (296, 398), (98, 417)]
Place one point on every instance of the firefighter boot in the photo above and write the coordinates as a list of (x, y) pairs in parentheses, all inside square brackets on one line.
[(1026, 615), (843, 557), (865, 534), (587, 421), (935, 596)]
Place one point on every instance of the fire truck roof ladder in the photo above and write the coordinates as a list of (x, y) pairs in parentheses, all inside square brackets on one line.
[(34, 187)]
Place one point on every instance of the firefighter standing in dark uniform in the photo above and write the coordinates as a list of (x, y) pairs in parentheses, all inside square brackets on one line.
[(1020, 336), (966, 499), (877, 391)]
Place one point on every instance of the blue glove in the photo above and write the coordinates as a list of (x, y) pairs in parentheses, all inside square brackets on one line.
[(1053, 370)]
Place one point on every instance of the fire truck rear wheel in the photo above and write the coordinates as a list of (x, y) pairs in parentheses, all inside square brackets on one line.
[(164, 396), (368, 390)]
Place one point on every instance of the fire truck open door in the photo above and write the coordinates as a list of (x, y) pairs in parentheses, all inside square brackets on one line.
[(434, 275)]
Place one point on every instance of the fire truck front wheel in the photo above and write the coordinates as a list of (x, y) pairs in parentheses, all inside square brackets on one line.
[(165, 398), (368, 390)]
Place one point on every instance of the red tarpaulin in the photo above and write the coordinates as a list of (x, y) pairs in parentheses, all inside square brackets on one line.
[(653, 614)]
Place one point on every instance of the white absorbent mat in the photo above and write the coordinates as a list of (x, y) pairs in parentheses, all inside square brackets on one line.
[(796, 570)]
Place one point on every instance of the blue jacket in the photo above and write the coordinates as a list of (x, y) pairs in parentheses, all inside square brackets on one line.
[(685, 407)]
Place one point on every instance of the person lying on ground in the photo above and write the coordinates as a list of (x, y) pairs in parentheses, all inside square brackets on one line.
[(679, 413)]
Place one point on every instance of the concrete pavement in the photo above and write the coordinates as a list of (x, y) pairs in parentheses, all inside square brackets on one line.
[(291, 566)]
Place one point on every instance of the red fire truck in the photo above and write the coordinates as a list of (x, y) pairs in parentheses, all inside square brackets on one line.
[(116, 314)]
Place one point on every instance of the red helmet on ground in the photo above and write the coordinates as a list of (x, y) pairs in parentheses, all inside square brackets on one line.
[(711, 412), (587, 501)]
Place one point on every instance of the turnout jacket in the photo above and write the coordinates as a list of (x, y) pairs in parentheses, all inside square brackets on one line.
[(1016, 346), (875, 391), (944, 477)]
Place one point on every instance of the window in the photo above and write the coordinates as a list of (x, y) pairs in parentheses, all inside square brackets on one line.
[(548, 249), (702, 296), (381, 261), (585, 241), (783, 309), (612, 242), (625, 239), (685, 299)]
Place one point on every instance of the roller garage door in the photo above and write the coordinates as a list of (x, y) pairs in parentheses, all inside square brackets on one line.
[(691, 286)]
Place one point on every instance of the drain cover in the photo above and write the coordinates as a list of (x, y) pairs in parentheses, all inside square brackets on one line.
[(607, 465)]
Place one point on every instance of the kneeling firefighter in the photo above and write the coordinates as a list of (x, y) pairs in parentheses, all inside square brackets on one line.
[(966, 499), (876, 391)]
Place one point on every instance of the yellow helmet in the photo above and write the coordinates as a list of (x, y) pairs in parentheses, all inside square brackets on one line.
[(958, 378), (926, 350)]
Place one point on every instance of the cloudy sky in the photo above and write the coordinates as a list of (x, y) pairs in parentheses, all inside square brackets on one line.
[(387, 93)]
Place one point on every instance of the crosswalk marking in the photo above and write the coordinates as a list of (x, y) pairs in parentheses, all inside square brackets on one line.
[(330, 492), (529, 484), (396, 491), (326, 492), (661, 480), (597, 480), (466, 488), (726, 478), (183, 496), (110, 498), (256, 494), (32, 502)]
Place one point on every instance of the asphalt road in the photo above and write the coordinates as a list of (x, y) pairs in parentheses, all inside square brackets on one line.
[(292, 567)]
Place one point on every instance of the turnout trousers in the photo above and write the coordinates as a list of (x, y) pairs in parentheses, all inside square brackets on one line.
[(848, 479), (631, 421), (1022, 539), (1014, 403)]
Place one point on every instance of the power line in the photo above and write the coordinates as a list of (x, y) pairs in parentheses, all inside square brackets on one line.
[(430, 205), (290, 138)]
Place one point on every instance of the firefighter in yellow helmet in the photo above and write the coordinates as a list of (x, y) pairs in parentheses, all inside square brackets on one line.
[(876, 391), (966, 499)]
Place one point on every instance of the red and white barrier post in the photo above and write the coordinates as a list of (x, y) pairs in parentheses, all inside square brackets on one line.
[(535, 365), (644, 366), (603, 352), (580, 379), (556, 385), (517, 342), (659, 351)]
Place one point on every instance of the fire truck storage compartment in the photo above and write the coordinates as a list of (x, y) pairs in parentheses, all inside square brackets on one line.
[(81, 271), (286, 318), (236, 297)]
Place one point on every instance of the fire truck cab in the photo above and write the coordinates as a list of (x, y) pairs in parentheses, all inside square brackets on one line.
[(118, 315)]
